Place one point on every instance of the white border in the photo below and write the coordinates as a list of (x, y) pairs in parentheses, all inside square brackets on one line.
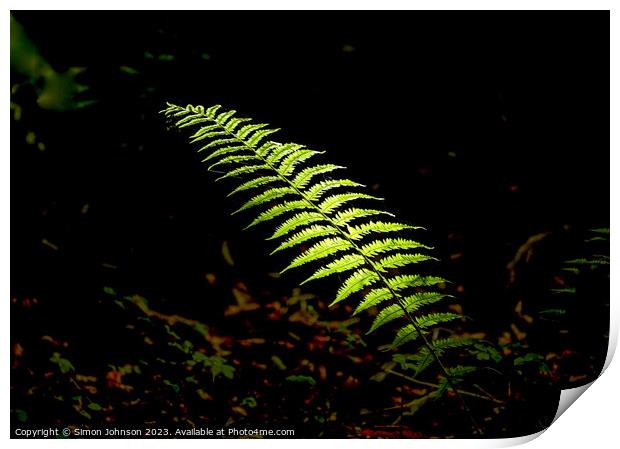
[(593, 421)]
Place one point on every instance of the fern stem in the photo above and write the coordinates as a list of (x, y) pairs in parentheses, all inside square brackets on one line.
[(396, 297), (488, 397)]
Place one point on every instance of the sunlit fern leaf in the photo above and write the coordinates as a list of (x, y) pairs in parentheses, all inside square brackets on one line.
[(288, 164), (281, 151), (232, 124), (254, 183), (309, 233), (332, 203), (357, 232), (345, 263), (307, 174), (356, 282), (373, 298), (345, 217), (193, 121), (297, 221), (410, 303), (224, 151), (218, 143), (266, 148), (412, 281), (315, 192), (243, 170), (201, 134), (260, 135), (400, 260), (385, 245), (223, 118), (320, 250), (278, 210), (265, 197), (246, 130), (234, 160), (288, 190)]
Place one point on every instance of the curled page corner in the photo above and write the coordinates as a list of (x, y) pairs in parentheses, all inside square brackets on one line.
[(569, 396)]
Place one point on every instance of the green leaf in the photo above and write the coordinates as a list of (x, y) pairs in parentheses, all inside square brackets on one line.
[(244, 170), (280, 151), (413, 280), (333, 203), (385, 245), (301, 379), (280, 209), (357, 232), (298, 220), (345, 263), (315, 192), (266, 197), (345, 217), (401, 260), (253, 183), (324, 248), (303, 178), (410, 303), (223, 151), (288, 164), (235, 159), (305, 235), (356, 282), (246, 130)]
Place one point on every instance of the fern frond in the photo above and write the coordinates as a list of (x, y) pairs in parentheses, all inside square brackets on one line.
[(192, 121), (203, 134), (319, 251), (287, 166), (332, 203), (218, 143), (278, 210), (280, 151), (409, 332), (253, 183), (373, 298), (243, 170), (305, 235), (345, 217), (413, 280), (224, 151), (246, 130), (232, 124), (258, 136), (234, 160), (410, 304), (385, 245), (304, 177), (315, 192), (286, 188), (345, 263), (400, 260), (265, 197), (297, 221), (356, 282), (357, 232)]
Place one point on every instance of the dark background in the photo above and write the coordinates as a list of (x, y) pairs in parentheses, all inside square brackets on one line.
[(484, 128)]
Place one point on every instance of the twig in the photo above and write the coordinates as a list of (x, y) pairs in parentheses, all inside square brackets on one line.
[(429, 384)]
